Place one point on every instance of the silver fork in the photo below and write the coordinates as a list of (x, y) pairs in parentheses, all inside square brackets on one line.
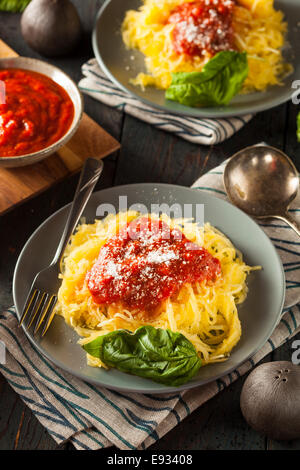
[(39, 306)]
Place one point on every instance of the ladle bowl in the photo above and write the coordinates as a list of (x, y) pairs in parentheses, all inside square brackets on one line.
[(262, 181)]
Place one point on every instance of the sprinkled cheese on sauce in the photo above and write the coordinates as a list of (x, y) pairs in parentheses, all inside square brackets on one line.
[(202, 27), (147, 262)]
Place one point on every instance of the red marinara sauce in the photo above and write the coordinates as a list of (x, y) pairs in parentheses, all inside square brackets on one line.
[(145, 263), (202, 27), (36, 114)]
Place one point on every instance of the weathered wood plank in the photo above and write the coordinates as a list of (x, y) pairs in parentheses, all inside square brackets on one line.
[(291, 145), (151, 155), (19, 429), (292, 148)]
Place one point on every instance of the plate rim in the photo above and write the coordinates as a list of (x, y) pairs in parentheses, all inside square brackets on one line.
[(165, 389), (186, 110)]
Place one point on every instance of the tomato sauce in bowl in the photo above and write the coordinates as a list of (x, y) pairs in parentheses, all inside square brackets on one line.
[(37, 112)]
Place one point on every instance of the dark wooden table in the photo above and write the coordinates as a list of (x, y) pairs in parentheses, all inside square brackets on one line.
[(146, 155)]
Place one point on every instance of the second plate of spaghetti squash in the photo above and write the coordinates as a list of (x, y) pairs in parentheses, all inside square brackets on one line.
[(203, 58)]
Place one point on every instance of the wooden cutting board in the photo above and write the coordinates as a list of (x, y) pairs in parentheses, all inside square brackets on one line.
[(20, 184)]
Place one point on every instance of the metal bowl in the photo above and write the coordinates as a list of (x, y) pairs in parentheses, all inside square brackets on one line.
[(67, 84)]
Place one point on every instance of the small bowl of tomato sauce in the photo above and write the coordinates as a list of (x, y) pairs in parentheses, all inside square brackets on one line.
[(40, 109)]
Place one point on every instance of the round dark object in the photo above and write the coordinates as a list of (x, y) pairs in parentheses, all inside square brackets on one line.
[(270, 400), (51, 27)]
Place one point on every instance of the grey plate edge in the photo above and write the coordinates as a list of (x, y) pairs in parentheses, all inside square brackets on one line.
[(188, 385), (184, 112)]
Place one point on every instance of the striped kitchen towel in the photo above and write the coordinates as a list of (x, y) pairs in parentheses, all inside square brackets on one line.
[(200, 131), (92, 417)]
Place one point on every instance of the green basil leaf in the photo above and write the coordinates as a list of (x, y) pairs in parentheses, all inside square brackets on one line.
[(161, 355), (13, 6), (298, 127), (220, 80)]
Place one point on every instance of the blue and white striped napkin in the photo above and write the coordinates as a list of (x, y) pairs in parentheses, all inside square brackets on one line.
[(200, 131), (93, 417)]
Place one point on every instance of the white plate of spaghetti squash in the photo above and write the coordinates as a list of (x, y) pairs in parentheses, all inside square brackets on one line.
[(152, 301), (202, 58)]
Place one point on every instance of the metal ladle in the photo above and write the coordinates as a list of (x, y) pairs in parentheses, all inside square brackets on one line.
[(262, 181)]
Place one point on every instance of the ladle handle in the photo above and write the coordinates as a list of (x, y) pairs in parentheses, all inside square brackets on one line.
[(290, 221)]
